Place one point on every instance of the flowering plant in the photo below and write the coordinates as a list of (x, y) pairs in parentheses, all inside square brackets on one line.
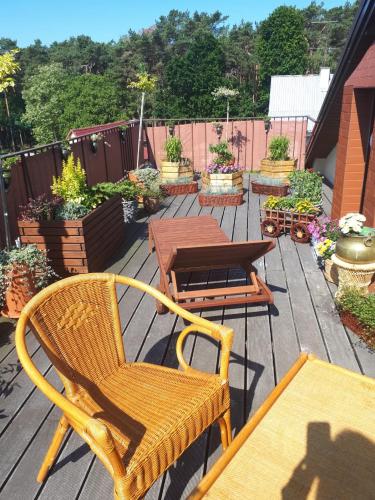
[(215, 168), (325, 249), (323, 228), (352, 223)]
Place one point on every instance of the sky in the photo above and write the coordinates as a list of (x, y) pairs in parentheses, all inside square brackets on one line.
[(105, 20)]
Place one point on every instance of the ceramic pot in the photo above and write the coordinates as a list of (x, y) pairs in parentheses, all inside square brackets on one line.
[(356, 249), (21, 288), (151, 204)]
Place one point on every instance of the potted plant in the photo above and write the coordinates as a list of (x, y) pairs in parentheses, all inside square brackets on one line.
[(94, 139), (267, 124), (356, 243), (324, 234), (152, 195), (222, 173), (306, 184), (7, 165), (175, 166), (122, 131), (128, 192), (278, 164), (218, 127), (23, 272), (81, 228), (65, 149), (357, 312)]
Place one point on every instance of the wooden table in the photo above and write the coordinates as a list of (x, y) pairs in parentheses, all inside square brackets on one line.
[(314, 437)]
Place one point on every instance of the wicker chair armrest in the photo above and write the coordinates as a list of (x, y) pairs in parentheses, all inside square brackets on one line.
[(223, 335), (70, 409)]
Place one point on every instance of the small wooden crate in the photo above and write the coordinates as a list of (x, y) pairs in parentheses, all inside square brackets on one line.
[(277, 169), (82, 245), (234, 180)]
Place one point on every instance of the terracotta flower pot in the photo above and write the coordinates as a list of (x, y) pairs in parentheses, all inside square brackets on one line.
[(20, 290)]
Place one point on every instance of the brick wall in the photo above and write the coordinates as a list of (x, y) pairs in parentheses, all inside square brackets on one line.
[(355, 123)]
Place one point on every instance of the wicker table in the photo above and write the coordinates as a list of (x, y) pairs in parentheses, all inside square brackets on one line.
[(314, 437), (353, 275)]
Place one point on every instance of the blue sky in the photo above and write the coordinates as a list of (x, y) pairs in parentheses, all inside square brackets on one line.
[(104, 20)]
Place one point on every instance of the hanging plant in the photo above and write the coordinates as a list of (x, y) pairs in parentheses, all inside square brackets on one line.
[(65, 150), (7, 165), (94, 139)]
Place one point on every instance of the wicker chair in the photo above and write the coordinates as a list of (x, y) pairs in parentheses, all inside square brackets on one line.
[(138, 418)]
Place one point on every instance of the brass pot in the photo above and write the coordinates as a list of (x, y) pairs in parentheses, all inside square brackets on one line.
[(356, 248)]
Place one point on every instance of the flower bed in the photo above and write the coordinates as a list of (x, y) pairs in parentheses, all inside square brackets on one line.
[(82, 245), (220, 200), (350, 321)]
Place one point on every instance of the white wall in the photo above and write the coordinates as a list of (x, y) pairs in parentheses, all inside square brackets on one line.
[(327, 166)]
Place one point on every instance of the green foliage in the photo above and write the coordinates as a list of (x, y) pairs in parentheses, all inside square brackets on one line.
[(8, 68), (71, 186), (148, 176), (9, 162), (152, 190), (71, 211), (222, 152), (309, 185), (282, 46), (278, 148), (44, 104), (361, 306), (290, 203), (144, 82), (32, 258), (127, 190), (173, 148)]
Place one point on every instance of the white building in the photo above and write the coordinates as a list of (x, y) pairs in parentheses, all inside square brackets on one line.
[(299, 95)]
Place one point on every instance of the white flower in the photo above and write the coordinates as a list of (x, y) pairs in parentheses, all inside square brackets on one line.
[(351, 222)]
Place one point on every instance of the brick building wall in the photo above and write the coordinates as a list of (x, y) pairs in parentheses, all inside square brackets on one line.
[(353, 191)]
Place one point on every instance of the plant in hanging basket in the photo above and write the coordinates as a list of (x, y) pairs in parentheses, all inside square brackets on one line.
[(94, 140)]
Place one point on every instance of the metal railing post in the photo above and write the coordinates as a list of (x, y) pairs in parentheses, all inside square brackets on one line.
[(4, 205)]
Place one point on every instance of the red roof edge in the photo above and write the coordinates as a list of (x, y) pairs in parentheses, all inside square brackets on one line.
[(94, 129)]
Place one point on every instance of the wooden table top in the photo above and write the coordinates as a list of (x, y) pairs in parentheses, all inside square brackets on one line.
[(316, 440)]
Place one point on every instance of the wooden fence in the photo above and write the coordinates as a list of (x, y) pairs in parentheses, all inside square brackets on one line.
[(248, 139), (32, 175)]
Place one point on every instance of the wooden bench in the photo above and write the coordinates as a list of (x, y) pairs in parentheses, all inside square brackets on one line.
[(193, 244)]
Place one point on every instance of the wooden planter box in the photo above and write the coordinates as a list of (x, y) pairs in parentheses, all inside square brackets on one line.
[(176, 189), (258, 188), (220, 200), (234, 180), (277, 169), (351, 322), (174, 170), (79, 246)]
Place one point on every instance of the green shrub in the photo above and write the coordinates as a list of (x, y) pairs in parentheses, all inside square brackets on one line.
[(173, 149), (71, 185), (309, 185), (222, 152), (278, 148), (71, 211), (8, 163)]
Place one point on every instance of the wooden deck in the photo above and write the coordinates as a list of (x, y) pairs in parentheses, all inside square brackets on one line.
[(267, 341)]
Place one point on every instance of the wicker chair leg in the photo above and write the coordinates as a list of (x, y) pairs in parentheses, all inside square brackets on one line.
[(53, 449), (225, 429)]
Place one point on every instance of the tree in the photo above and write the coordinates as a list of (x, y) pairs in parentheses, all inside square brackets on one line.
[(89, 100), (190, 79), (8, 68), (144, 83), (281, 48), (44, 102)]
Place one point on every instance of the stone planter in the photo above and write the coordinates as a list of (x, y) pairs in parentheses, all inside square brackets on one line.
[(222, 181), (277, 169), (220, 200), (79, 246), (331, 272), (176, 189), (20, 290), (171, 170)]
